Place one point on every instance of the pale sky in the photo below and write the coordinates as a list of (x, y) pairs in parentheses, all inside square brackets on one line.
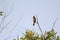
[(21, 12)]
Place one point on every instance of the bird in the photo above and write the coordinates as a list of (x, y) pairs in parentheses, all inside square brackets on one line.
[(34, 20)]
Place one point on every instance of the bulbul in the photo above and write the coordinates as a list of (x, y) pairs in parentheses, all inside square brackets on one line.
[(34, 20)]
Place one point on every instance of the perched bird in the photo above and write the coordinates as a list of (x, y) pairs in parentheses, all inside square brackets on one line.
[(34, 20)]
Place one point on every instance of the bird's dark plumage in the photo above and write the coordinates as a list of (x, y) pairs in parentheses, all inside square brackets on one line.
[(34, 20)]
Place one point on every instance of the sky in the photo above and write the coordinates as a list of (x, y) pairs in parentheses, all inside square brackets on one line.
[(20, 13)]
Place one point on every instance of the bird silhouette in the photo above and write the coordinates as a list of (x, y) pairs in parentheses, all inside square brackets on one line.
[(34, 20)]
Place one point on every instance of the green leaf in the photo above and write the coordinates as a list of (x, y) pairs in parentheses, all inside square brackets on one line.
[(1, 13)]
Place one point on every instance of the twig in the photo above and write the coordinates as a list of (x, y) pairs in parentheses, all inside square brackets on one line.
[(54, 23), (13, 29), (39, 25), (5, 26)]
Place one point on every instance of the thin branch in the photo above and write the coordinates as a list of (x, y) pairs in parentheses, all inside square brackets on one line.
[(54, 23), (4, 17), (2, 22), (13, 29), (5, 26), (17, 37), (39, 25)]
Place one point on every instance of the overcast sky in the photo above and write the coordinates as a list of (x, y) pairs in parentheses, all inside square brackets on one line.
[(20, 16)]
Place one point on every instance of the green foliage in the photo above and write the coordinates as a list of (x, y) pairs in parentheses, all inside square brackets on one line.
[(1, 13), (30, 35), (51, 35)]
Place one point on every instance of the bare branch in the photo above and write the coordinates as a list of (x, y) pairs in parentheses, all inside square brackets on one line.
[(13, 29), (5, 26), (4, 17), (54, 23), (39, 25)]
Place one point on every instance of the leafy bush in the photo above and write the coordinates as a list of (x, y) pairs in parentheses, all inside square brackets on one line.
[(50, 35)]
